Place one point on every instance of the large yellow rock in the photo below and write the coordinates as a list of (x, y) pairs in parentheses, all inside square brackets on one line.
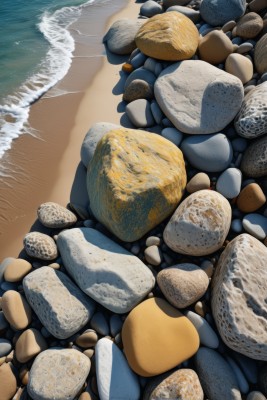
[(157, 337), (171, 36), (135, 180)]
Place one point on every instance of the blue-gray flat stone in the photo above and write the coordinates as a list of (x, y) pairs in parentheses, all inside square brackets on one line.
[(218, 12), (256, 225)]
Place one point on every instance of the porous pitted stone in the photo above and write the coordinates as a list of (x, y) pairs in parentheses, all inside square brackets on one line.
[(206, 105), (53, 215), (58, 374), (39, 245), (120, 36), (16, 309), (218, 12), (59, 304), (239, 297), (200, 224), (260, 55), (254, 161), (183, 284), (179, 385), (215, 47), (170, 36), (104, 270), (135, 180), (251, 121), (150, 334), (249, 26)]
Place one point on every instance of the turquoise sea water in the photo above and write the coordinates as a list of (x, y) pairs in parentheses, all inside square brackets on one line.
[(35, 52)]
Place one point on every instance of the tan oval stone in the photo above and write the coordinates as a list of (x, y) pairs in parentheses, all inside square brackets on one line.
[(85, 396), (29, 344), (260, 55), (249, 26), (215, 47), (16, 270), (199, 181), (150, 334), (239, 66), (8, 382), (16, 309), (251, 198), (87, 339), (183, 284), (200, 224), (170, 36)]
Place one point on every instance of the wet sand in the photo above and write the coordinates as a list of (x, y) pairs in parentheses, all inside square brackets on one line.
[(41, 167)]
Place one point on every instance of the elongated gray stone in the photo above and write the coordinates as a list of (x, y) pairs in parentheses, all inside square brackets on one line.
[(104, 270)]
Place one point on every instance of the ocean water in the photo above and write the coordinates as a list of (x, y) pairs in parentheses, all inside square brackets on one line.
[(36, 50)]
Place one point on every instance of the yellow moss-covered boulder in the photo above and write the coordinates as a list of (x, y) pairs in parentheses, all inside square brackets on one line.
[(171, 36), (134, 181)]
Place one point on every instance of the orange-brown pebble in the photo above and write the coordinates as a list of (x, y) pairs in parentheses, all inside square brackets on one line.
[(16, 270), (85, 396), (89, 353), (87, 339), (24, 375), (8, 382), (29, 344), (150, 334), (16, 309), (251, 198), (127, 68)]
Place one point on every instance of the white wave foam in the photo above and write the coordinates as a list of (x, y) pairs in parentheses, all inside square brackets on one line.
[(15, 112)]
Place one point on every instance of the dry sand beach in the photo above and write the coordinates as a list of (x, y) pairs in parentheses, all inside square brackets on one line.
[(42, 168)]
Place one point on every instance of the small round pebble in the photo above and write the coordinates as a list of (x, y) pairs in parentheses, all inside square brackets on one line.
[(256, 225), (16, 270), (237, 226), (199, 181), (152, 241), (153, 255), (229, 183), (39, 245), (251, 198), (87, 339), (173, 135), (255, 395)]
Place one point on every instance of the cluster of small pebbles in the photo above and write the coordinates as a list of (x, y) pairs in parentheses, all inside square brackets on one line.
[(151, 284)]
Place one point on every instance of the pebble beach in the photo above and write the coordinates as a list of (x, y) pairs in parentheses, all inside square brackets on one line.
[(138, 269)]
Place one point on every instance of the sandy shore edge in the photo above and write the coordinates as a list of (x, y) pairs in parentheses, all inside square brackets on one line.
[(43, 169)]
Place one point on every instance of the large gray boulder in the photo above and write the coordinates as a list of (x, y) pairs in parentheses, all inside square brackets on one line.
[(104, 270), (197, 97), (218, 12)]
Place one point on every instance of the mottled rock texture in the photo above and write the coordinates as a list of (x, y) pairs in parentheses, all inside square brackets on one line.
[(239, 297), (254, 161), (260, 55), (53, 215), (39, 245)]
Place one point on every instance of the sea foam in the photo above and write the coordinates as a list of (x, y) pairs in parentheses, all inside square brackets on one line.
[(15, 112)]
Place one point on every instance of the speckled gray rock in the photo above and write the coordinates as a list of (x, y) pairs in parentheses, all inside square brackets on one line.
[(139, 113), (120, 36), (216, 376), (115, 379), (150, 8), (138, 89), (229, 183), (199, 225), (218, 12), (53, 215), (238, 297), (39, 245), (207, 105), (207, 335), (190, 13), (256, 225), (60, 305), (95, 133), (254, 161), (251, 121), (104, 270), (58, 374), (182, 384), (143, 74), (211, 153), (183, 284)]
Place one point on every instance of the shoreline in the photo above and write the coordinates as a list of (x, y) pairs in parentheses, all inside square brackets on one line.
[(43, 168)]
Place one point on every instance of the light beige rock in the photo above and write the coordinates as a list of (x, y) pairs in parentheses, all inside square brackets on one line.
[(199, 181), (249, 26), (16, 270), (260, 55), (215, 47), (53, 215), (29, 344), (8, 382), (239, 297), (58, 374), (16, 309), (170, 36), (39, 245), (199, 225), (183, 284), (239, 66)]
